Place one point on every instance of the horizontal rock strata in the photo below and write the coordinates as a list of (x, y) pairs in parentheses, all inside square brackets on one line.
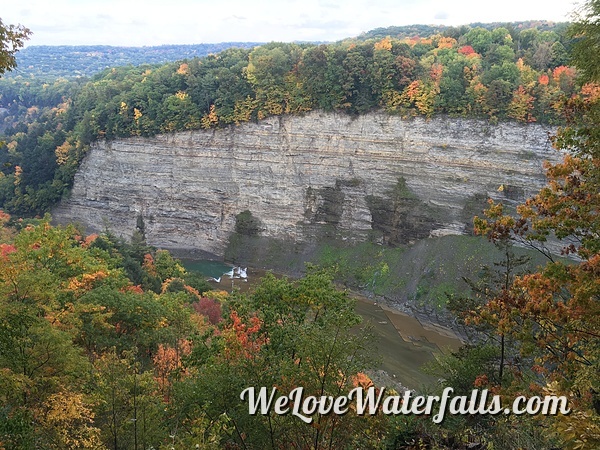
[(305, 177)]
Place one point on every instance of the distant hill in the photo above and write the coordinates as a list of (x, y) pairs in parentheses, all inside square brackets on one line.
[(44, 61), (407, 31)]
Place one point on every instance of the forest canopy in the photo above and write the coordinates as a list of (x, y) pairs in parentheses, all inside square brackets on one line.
[(513, 72)]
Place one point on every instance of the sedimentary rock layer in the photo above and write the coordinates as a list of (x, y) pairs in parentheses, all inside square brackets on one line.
[(375, 176)]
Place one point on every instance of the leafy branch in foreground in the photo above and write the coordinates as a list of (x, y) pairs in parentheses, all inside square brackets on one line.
[(555, 312), (12, 38)]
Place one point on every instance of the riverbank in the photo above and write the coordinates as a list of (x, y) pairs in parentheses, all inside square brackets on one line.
[(404, 343)]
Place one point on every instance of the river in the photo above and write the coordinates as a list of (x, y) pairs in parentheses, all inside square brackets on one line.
[(404, 344)]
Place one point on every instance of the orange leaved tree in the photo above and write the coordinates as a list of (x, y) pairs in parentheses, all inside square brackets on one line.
[(555, 312)]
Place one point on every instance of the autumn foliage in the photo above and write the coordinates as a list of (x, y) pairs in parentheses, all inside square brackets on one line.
[(168, 365), (479, 72), (210, 308), (555, 312), (90, 359)]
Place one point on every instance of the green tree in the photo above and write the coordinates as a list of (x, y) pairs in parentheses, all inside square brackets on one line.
[(478, 38), (267, 69), (285, 334), (12, 38), (129, 412), (586, 48), (167, 266), (554, 312)]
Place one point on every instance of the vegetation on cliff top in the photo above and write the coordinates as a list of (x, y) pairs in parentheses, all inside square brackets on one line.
[(506, 73)]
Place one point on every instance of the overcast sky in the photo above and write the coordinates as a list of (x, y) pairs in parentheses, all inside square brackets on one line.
[(157, 22)]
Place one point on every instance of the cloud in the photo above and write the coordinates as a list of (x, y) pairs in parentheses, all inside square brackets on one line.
[(103, 18), (330, 5), (155, 22), (25, 12)]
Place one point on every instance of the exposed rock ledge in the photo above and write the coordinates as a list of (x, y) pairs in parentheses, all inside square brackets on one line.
[(307, 176)]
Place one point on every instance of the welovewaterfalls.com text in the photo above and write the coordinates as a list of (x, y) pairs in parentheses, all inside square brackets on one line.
[(373, 400)]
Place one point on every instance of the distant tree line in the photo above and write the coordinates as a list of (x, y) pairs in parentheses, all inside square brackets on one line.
[(72, 61), (504, 73)]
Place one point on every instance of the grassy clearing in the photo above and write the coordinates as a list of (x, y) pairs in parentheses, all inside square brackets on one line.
[(420, 274)]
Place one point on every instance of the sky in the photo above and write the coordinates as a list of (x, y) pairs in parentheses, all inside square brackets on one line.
[(161, 22)]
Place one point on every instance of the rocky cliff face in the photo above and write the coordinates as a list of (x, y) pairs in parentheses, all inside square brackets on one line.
[(303, 178)]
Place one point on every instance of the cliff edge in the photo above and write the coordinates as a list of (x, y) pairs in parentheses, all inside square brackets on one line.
[(300, 178)]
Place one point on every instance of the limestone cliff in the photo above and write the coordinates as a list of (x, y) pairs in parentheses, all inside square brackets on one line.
[(304, 177)]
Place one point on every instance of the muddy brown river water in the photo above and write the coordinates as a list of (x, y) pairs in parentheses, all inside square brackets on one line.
[(403, 343)]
